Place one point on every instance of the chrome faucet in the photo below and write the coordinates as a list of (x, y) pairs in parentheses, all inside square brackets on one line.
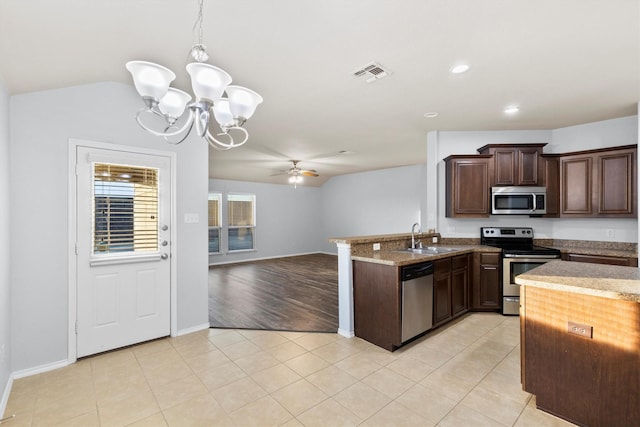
[(413, 235)]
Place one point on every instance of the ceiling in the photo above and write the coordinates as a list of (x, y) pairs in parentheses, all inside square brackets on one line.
[(563, 62)]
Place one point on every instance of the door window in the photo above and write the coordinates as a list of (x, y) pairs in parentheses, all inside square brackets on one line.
[(125, 209)]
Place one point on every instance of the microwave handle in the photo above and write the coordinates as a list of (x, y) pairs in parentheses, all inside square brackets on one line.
[(534, 202)]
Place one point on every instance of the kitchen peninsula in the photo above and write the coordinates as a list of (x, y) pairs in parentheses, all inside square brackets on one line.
[(580, 341), (371, 285)]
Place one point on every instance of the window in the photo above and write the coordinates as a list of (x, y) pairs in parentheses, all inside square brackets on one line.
[(241, 220), (125, 209), (215, 200)]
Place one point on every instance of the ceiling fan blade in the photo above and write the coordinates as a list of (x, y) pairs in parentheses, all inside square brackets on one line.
[(309, 173)]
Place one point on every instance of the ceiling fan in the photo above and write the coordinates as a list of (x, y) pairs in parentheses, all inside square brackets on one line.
[(296, 174)]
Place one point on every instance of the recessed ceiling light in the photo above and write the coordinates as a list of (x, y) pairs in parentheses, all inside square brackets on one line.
[(459, 69), (512, 109), (431, 115)]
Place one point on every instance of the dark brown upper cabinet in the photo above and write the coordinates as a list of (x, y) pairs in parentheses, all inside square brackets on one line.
[(515, 164), (599, 183), (549, 173), (468, 186)]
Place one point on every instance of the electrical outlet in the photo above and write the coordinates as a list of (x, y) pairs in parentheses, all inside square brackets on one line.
[(611, 232), (451, 230), (376, 246), (579, 329)]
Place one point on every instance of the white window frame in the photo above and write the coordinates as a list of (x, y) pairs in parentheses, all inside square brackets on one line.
[(215, 196), (253, 227)]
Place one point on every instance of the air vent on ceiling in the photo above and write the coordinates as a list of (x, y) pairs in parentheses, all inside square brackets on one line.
[(372, 72)]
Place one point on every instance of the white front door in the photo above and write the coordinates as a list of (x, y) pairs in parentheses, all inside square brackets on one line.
[(123, 247)]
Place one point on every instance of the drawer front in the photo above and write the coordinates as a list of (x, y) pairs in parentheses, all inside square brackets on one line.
[(492, 258), (458, 262)]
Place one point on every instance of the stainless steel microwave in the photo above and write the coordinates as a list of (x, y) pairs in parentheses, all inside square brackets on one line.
[(518, 200)]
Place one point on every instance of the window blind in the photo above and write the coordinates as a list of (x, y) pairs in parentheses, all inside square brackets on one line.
[(214, 210), (125, 209), (240, 210)]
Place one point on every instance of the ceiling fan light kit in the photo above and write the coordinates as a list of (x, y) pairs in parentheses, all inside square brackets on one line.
[(297, 175), (209, 84)]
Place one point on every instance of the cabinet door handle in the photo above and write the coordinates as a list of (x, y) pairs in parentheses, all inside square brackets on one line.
[(490, 268)]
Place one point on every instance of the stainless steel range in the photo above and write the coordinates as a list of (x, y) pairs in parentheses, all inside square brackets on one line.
[(519, 255)]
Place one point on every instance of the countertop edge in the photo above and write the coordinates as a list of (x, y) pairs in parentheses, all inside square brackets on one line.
[(399, 258), (607, 281)]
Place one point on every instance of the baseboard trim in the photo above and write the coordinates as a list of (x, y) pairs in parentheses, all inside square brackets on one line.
[(193, 329), (40, 369), (5, 397), (346, 334), (213, 264)]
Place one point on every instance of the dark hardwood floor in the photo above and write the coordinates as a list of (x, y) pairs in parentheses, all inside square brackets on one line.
[(298, 293)]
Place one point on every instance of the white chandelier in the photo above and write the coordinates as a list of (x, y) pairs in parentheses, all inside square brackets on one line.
[(209, 83)]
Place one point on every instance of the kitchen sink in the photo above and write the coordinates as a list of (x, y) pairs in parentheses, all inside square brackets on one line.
[(429, 250)]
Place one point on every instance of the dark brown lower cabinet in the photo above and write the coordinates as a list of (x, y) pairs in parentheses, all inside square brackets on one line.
[(601, 259), (459, 285), (377, 298), (486, 289), (591, 379), (377, 304), (450, 288), (441, 291)]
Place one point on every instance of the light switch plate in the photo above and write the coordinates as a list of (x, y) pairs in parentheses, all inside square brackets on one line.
[(191, 218)]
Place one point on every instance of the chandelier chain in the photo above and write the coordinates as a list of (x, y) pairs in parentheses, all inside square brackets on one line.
[(198, 22)]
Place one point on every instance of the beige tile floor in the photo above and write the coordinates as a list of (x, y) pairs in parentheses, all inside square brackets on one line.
[(464, 374)]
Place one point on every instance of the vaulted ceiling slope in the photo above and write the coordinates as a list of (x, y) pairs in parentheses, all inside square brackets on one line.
[(563, 62)]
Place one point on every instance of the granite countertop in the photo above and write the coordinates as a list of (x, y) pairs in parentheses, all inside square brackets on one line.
[(399, 258), (596, 251), (608, 281)]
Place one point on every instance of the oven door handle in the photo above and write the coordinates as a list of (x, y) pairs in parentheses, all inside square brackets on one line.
[(531, 256)]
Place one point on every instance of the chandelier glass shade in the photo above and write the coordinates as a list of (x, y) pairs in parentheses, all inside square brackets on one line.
[(210, 84)]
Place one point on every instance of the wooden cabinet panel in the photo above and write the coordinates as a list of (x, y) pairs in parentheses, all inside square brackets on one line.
[(575, 182), (515, 164), (441, 291), (468, 186), (599, 183), (504, 167), (601, 259), (528, 166), (615, 185), (450, 288), (459, 285), (550, 179), (377, 302), (486, 288), (591, 380)]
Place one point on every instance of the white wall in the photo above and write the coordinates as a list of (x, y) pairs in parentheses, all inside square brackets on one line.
[(288, 219), (5, 252), (385, 201), (41, 125), (609, 133)]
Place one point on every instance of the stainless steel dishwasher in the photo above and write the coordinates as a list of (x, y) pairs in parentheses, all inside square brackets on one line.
[(417, 299)]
